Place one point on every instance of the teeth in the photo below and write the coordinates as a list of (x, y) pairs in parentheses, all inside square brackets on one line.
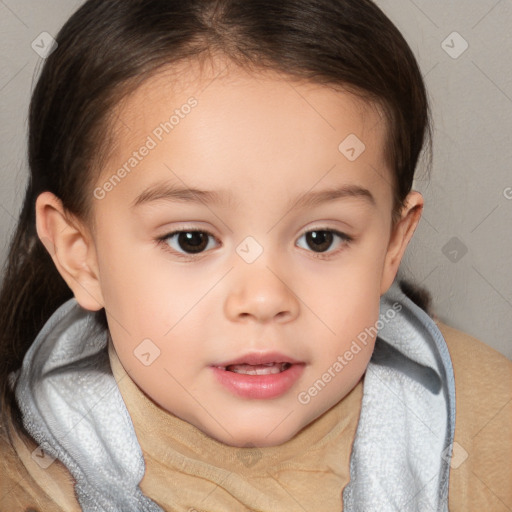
[(260, 369)]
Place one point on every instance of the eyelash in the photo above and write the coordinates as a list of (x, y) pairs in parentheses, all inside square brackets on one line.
[(345, 239)]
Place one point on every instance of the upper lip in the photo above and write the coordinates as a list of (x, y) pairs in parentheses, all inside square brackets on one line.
[(255, 358)]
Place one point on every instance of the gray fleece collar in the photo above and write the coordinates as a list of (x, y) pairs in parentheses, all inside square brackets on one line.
[(401, 455), (72, 406)]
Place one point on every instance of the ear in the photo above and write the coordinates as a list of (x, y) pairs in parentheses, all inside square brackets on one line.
[(400, 237), (72, 249)]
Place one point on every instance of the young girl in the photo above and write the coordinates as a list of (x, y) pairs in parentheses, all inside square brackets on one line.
[(200, 310)]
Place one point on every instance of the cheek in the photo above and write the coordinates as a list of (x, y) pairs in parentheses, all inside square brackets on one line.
[(146, 295), (128, 280), (347, 300), (351, 288)]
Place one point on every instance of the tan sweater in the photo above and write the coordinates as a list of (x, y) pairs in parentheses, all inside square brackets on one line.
[(185, 468)]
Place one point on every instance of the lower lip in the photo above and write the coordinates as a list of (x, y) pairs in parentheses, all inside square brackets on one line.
[(259, 386)]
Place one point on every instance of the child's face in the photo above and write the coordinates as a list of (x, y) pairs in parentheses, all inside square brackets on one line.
[(258, 285)]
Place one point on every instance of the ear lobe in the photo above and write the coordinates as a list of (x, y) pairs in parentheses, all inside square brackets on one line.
[(72, 250), (400, 238)]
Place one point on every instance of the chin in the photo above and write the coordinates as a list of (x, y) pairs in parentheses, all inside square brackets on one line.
[(254, 436)]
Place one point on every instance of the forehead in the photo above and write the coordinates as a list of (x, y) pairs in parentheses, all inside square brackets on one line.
[(219, 84), (246, 126)]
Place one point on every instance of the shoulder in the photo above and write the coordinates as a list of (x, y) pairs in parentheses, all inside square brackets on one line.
[(29, 485), (481, 464), (483, 376)]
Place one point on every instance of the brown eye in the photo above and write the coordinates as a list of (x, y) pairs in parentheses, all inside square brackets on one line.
[(188, 242), (322, 240), (319, 241), (193, 241)]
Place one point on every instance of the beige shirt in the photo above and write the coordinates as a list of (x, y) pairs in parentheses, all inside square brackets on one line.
[(185, 468)]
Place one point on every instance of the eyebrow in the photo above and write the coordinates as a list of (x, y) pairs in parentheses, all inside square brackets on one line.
[(310, 199), (169, 192)]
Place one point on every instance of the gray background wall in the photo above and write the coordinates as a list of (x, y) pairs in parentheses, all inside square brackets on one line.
[(462, 249)]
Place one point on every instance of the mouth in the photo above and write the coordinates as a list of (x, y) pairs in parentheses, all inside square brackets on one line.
[(259, 363), (259, 375), (257, 369)]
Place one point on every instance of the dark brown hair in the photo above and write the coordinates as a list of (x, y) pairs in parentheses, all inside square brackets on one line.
[(109, 47)]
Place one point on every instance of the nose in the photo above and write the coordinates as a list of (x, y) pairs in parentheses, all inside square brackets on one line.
[(259, 293)]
